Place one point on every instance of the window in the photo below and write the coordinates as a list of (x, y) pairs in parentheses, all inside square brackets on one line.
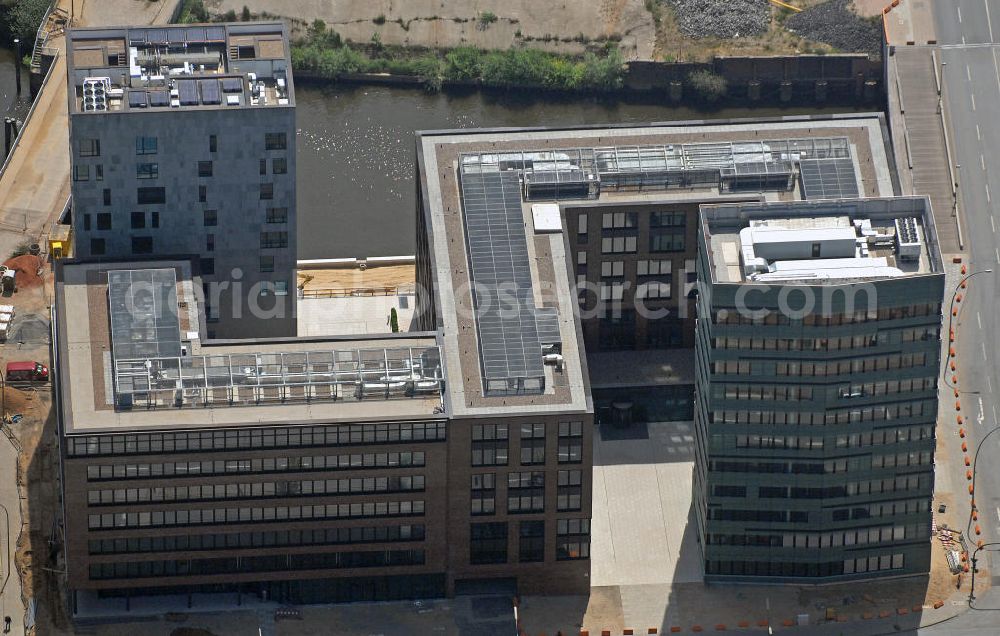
[(204, 168), (667, 219), (618, 220), (570, 490), (89, 148), (532, 444), (573, 540), (275, 141), (213, 143), (526, 492), (612, 268), (81, 173), (618, 244), (266, 191), (151, 196), (273, 239), (666, 241), (211, 218), (202, 194), (487, 543), (570, 449), (484, 494), (107, 196), (138, 220), (581, 227), (266, 264), (208, 266), (489, 444), (155, 220), (281, 288), (103, 220), (277, 215), (142, 244), (531, 541), (209, 242), (86, 222), (145, 145), (99, 172), (654, 268), (147, 171), (97, 247), (279, 165)]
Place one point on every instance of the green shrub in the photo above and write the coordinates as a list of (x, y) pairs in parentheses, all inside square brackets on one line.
[(379, 19), (708, 85), (487, 18), (192, 11), (245, 15)]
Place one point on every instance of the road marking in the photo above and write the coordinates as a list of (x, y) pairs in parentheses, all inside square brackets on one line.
[(979, 319), (987, 193), (968, 73), (959, 13), (989, 385), (973, 97), (998, 512), (979, 135), (994, 407), (984, 349), (963, 40), (996, 68), (982, 161), (993, 223), (997, 250), (989, 22), (982, 412)]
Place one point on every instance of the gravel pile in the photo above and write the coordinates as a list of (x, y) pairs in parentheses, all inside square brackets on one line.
[(722, 18), (835, 24)]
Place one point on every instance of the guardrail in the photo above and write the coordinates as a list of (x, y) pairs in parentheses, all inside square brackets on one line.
[(351, 292)]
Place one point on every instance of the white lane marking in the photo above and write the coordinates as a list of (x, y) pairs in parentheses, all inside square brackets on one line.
[(984, 350), (997, 250), (959, 13), (996, 68), (998, 512), (994, 407), (989, 21), (979, 319), (973, 97), (968, 73), (987, 193), (989, 385), (979, 135), (993, 223), (982, 412), (982, 162)]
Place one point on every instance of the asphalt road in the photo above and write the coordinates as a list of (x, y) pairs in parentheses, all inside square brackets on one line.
[(971, 90)]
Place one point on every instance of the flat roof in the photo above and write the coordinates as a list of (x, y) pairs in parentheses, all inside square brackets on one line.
[(820, 242), (592, 166), (226, 383), (179, 67)]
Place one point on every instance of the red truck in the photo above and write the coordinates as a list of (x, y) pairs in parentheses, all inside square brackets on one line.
[(27, 370)]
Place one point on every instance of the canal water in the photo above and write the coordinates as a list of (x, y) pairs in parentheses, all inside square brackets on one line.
[(356, 151)]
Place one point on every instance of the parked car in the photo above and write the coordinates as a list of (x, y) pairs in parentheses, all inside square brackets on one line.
[(26, 370)]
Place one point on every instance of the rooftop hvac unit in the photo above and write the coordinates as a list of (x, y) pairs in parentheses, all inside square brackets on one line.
[(909, 244), (95, 91)]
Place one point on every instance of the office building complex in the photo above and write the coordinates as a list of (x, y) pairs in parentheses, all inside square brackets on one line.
[(817, 367), (183, 143)]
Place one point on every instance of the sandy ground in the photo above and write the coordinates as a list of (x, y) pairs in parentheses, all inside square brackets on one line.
[(354, 278), (565, 26)]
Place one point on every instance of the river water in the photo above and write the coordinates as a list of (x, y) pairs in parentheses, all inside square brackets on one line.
[(356, 151)]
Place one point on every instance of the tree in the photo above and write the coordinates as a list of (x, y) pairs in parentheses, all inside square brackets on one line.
[(245, 16), (24, 17), (394, 321)]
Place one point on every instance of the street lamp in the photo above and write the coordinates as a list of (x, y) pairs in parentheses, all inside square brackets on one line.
[(951, 314), (972, 589)]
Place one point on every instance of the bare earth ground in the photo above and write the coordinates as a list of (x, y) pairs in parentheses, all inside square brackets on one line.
[(447, 24)]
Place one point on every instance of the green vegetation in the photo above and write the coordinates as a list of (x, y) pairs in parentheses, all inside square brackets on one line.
[(394, 321), (325, 54), (193, 11), (245, 14), (708, 85), (23, 19), (379, 19), (486, 18)]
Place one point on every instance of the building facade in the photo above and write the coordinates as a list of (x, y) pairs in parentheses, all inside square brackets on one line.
[(183, 143), (817, 365)]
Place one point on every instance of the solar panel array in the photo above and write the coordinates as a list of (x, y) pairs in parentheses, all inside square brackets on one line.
[(210, 91), (509, 344), (828, 178), (187, 92), (143, 308)]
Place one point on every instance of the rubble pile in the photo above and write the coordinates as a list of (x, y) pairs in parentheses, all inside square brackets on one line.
[(835, 24), (722, 18)]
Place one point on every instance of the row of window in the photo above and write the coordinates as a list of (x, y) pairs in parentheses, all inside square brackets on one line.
[(855, 365), (146, 145), (918, 408), (486, 432), (273, 563), (841, 343), (267, 514), (526, 492), (257, 540), (256, 490), (785, 392), (805, 570), (852, 537), (352, 461), (488, 541), (733, 316), (234, 439)]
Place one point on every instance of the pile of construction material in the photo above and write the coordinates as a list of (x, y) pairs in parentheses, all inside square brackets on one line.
[(835, 24), (722, 18)]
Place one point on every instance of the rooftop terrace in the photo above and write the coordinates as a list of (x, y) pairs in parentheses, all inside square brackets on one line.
[(179, 67), (131, 355)]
